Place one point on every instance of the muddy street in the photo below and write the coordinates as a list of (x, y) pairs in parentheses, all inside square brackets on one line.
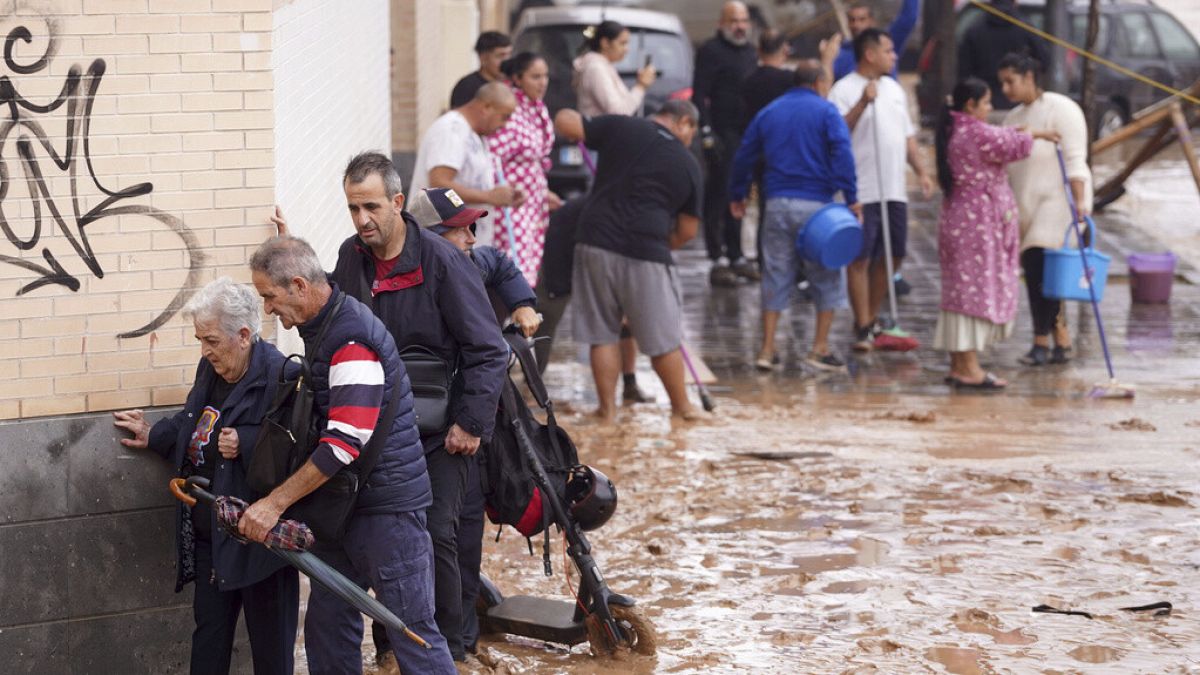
[(879, 522)]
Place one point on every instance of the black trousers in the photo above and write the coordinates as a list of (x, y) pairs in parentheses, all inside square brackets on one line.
[(270, 607), (1045, 311), (722, 232), (455, 522)]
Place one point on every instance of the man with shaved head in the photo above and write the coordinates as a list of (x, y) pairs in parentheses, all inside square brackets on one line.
[(454, 154), (804, 144), (721, 64), (860, 17)]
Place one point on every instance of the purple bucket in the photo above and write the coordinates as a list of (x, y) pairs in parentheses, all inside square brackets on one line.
[(1150, 277)]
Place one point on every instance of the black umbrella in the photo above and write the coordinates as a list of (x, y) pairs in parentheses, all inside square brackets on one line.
[(287, 540)]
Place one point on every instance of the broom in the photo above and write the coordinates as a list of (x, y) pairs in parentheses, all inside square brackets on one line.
[(1112, 388), (893, 339)]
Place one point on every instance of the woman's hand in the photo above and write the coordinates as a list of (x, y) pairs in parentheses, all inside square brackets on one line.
[(227, 443), (647, 75), (133, 421)]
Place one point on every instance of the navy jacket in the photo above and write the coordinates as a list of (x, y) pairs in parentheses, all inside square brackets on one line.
[(399, 481), (502, 276), (806, 145), (434, 297), (237, 565)]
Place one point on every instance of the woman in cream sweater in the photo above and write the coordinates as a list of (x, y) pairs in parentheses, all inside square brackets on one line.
[(1036, 181), (598, 85)]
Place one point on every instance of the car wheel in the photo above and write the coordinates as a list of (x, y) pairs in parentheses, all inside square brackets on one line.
[(1111, 118)]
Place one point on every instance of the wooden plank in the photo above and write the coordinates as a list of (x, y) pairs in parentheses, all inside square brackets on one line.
[(1129, 130), (1156, 144), (702, 370), (1185, 139)]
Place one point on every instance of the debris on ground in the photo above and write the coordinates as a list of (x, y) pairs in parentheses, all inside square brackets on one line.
[(926, 417), (1133, 424)]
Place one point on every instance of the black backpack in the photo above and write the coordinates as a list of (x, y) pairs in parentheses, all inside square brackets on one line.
[(511, 495)]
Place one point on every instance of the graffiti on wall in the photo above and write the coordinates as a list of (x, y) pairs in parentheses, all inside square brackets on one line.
[(36, 154)]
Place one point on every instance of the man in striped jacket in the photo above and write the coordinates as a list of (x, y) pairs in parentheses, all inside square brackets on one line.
[(355, 369)]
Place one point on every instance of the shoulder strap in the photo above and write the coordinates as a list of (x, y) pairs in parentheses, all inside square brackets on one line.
[(337, 306)]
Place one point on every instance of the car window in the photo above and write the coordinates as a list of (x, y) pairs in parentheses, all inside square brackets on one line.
[(1175, 40), (1079, 32), (559, 45), (1139, 39)]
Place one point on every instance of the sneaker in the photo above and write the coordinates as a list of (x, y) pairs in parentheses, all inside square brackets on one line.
[(766, 365), (747, 269), (722, 275), (1037, 356), (903, 288), (829, 362), (635, 394)]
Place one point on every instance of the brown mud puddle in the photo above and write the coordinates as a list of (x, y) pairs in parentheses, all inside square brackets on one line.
[(805, 530)]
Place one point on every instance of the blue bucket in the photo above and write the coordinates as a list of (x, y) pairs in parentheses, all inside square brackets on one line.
[(832, 237), (1063, 277)]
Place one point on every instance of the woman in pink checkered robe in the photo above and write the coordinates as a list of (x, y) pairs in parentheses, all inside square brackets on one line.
[(522, 149)]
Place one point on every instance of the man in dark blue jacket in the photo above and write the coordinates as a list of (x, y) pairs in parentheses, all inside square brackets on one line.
[(427, 293), (805, 145), (442, 212), (356, 374)]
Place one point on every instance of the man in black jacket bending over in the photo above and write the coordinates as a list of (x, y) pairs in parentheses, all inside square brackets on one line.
[(428, 293)]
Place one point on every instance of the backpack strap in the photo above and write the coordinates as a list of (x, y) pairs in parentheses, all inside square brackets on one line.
[(533, 379)]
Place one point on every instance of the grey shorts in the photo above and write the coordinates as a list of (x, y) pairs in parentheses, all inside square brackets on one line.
[(782, 264), (607, 286)]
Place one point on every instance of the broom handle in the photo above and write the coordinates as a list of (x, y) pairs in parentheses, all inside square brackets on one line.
[(1087, 269), (883, 210)]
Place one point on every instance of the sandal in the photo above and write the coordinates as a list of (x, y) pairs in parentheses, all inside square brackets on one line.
[(989, 381)]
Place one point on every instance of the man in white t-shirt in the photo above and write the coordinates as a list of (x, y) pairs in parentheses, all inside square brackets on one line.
[(454, 154), (873, 102)]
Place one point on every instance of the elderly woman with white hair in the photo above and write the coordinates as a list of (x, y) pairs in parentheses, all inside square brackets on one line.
[(212, 437)]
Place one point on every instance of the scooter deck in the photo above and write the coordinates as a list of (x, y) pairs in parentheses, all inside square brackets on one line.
[(538, 618)]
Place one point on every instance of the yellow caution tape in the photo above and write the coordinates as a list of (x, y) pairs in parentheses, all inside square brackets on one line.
[(1086, 54)]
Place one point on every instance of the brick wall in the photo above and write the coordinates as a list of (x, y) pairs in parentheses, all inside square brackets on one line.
[(149, 175)]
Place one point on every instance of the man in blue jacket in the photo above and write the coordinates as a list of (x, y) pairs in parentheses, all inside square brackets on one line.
[(427, 293), (805, 145), (860, 17), (358, 380)]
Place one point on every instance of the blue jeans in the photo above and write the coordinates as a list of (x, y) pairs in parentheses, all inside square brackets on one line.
[(782, 265), (391, 553)]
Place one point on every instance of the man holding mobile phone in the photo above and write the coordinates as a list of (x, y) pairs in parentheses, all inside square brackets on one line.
[(721, 64)]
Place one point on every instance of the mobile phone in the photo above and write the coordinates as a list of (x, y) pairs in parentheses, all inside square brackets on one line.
[(649, 60)]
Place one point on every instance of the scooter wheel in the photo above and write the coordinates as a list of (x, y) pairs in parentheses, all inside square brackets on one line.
[(640, 634)]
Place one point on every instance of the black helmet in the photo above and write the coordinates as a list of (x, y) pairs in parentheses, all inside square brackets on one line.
[(592, 495)]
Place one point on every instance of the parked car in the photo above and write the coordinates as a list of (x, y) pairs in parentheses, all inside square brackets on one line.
[(557, 34), (1140, 36)]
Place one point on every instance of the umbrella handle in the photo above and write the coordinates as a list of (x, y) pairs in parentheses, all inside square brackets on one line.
[(191, 489), (177, 485)]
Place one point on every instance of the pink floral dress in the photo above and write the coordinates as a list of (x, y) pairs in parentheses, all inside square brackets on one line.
[(522, 148), (979, 236)]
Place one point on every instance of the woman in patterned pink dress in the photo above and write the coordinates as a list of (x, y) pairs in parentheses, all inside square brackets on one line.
[(522, 149), (978, 236)]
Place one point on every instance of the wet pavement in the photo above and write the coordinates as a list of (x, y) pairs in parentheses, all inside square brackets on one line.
[(880, 522)]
